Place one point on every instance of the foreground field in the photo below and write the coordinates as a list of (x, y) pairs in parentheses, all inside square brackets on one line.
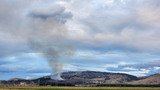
[(79, 88)]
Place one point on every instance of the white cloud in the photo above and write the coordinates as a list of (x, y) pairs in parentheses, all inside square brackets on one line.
[(129, 23), (102, 31)]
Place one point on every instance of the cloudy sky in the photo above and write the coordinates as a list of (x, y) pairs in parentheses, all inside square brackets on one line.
[(40, 37)]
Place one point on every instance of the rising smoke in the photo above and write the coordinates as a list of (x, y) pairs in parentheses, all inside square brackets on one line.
[(36, 27), (48, 36)]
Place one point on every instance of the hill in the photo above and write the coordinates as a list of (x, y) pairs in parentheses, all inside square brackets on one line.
[(89, 78), (150, 80)]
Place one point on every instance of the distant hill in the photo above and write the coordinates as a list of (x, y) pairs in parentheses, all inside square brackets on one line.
[(88, 78), (99, 77), (150, 80)]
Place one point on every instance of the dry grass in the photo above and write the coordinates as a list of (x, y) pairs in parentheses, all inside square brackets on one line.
[(79, 88)]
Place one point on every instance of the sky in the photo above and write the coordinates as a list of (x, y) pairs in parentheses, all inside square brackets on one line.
[(41, 37)]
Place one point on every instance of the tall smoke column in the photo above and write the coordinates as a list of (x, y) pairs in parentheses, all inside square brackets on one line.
[(48, 36)]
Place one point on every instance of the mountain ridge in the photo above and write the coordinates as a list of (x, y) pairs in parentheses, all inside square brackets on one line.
[(87, 78)]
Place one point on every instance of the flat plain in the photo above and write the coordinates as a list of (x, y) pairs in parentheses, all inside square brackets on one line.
[(78, 88)]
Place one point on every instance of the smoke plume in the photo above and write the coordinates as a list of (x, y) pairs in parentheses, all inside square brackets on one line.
[(48, 36), (35, 27)]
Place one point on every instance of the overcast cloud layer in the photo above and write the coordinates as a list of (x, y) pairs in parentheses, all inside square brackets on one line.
[(101, 35)]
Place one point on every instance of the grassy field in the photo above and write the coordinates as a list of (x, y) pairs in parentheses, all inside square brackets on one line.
[(79, 88)]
